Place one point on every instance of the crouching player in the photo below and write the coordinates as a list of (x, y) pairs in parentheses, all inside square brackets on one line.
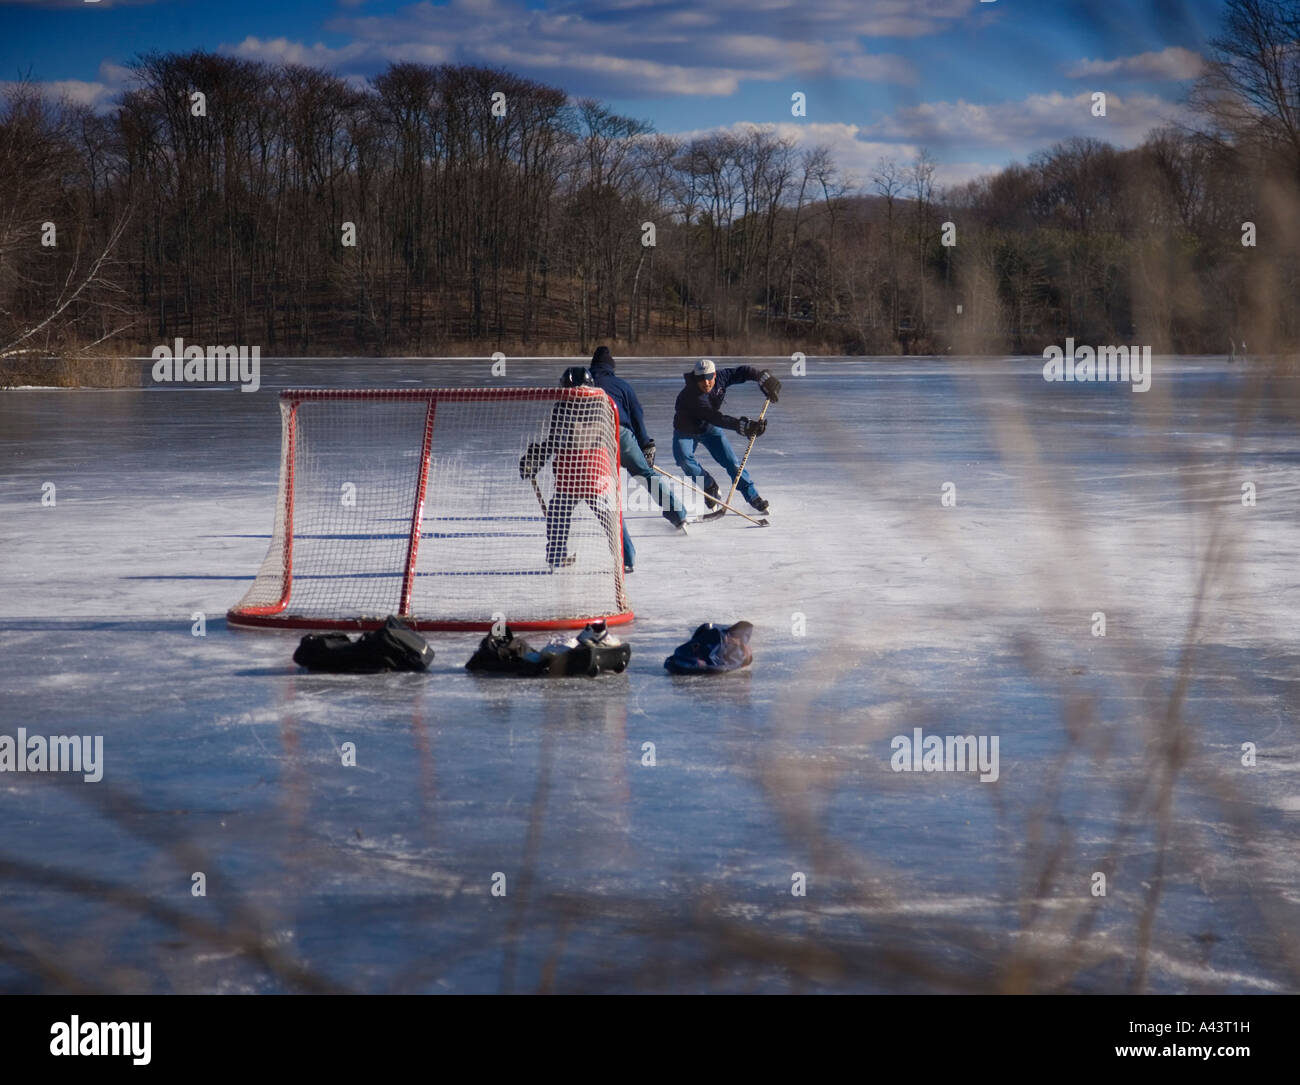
[(583, 471)]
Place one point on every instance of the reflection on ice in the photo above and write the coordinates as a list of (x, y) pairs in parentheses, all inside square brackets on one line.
[(879, 610)]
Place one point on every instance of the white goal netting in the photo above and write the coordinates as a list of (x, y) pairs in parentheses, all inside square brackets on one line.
[(429, 504)]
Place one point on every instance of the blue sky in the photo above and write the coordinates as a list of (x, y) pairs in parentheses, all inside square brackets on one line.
[(978, 84)]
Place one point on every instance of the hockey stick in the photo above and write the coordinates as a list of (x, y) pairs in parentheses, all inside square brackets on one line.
[(716, 514), (736, 481), (760, 523), (538, 492)]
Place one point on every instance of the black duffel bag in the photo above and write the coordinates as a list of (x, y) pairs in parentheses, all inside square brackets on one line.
[(593, 652), (395, 646)]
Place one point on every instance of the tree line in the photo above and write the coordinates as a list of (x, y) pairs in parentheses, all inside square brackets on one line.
[(228, 201)]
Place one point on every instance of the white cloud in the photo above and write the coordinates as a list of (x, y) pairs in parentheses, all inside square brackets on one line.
[(282, 50), (639, 76), (951, 174), (1028, 124), (969, 140), (1171, 63), (77, 91), (99, 94), (855, 155), (883, 18), (631, 49)]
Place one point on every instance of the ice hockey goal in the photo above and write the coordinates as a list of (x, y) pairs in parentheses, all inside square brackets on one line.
[(420, 503)]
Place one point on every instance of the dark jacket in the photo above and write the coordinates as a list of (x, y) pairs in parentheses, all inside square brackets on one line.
[(713, 649), (622, 393), (696, 411)]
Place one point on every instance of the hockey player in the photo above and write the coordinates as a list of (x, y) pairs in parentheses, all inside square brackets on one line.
[(583, 472), (635, 445), (698, 419)]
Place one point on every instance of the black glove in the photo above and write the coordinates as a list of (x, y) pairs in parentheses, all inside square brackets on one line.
[(531, 461), (752, 429), (769, 385), (648, 451)]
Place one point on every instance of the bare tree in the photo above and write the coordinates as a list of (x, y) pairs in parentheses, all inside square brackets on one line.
[(888, 181), (920, 179), (57, 279), (833, 188), (1250, 91)]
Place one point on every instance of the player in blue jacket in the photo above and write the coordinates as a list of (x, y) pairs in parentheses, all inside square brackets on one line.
[(635, 445), (698, 419)]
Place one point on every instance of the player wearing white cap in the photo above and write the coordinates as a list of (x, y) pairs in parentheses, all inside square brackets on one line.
[(698, 419)]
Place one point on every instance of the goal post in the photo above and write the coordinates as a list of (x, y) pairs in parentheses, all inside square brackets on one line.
[(418, 502)]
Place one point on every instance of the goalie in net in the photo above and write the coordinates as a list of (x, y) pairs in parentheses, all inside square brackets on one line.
[(584, 472)]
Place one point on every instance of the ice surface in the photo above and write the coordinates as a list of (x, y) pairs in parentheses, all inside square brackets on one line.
[(877, 611)]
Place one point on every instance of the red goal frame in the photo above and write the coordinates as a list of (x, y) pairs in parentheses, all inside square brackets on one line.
[(272, 616)]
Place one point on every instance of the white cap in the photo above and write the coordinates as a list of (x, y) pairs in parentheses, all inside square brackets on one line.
[(704, 368)]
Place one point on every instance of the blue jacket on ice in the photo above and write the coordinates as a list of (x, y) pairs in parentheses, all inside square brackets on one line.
[(622, 393), (697, 410), (713, 649)]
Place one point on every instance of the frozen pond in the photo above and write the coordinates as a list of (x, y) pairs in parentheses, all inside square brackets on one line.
[(878, 610)]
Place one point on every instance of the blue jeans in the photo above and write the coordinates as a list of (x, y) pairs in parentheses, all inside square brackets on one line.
[(633, 459), (716, 442)]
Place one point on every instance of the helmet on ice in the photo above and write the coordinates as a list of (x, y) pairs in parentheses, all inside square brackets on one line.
[(577, 376)]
